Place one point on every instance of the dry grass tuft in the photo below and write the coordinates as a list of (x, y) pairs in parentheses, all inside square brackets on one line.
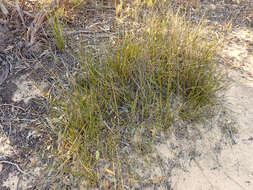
[(160, 69)]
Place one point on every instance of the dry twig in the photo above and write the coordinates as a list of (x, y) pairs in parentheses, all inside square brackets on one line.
[(18, 168)]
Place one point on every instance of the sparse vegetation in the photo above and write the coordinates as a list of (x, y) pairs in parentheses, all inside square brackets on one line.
[(116, 94)]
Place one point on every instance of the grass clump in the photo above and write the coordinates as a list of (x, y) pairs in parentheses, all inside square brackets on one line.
[(157, 72)]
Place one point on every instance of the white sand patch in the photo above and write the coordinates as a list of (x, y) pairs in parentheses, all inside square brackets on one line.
[(238, 50), (5, 148), (233, 168), (26, 89), (11, 182), (14, 182)]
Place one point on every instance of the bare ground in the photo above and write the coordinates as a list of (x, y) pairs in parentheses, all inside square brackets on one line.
[(231, 167)]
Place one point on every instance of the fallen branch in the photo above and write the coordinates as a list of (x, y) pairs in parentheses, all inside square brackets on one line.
[(81, 32), (18, 168), (99, 34)]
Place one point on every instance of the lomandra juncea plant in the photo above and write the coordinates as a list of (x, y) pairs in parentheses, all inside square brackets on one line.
[(161, 68)]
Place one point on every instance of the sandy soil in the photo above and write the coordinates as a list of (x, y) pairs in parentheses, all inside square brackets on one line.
[(232, 167)]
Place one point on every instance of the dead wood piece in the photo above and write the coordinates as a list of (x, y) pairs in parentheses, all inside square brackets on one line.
[(80, 32), (16, 165)]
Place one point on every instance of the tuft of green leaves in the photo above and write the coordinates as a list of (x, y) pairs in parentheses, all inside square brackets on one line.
[(57, 29), (164, 70)]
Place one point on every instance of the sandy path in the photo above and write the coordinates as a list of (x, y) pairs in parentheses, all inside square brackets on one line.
[(232, 168)]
